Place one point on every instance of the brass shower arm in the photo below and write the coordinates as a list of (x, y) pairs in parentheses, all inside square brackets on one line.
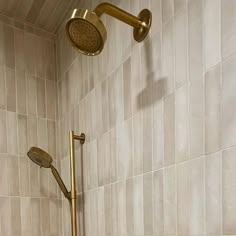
[(60, 182), (109, 9)]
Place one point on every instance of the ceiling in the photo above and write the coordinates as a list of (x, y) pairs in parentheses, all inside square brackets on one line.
[(45, 14)]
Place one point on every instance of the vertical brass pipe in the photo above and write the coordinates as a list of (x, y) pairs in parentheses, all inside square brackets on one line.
[(73, 190)]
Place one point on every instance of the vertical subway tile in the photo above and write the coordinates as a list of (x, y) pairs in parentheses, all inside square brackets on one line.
[(129, 207), (21, 93), (101, 212), (181, 124), (41, 105), (12, 143), (169, 130), (179, 4), (228, 103), (29, 45), (9, 49), (228, 27), (22, 134), (158, 203), (34, 180), (170, 200), (5, 213), (181, 43), (138, 205), (124, 150), (31, 95), (113, 154), (4, 175), (213, 191), (212, 32), (105, 108), (127, 88), (3, 130), (15, 216), (42, 134), (51, 102), (11, 89), (157, 15), (51, 134), (148, 203), (24, 176), (212, 109), (13, 175), (229, 191), (168, 55), (40, 58), (45, 216), (32, 132), (3, 100), (2, 46), (35, 216), (19, 50), (137, 143), (54, 217), (167, 10), (107, 201)]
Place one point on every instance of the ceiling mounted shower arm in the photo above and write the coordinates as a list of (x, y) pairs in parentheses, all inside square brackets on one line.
[(111, 10)]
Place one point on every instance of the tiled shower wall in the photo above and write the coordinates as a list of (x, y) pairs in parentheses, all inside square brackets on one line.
[(29, 198), (159, 119)]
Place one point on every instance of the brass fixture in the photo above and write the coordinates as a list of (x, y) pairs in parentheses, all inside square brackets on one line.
[(87, 33), (43, 159)]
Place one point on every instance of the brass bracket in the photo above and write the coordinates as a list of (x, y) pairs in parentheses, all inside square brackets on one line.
[(80, 137)]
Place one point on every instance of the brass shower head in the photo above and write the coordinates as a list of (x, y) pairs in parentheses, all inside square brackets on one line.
[(43, 159), (87, 33)]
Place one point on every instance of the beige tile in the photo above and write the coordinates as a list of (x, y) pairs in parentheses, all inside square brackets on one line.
[(169, 130), (213, 191), (22, 134), (32, 132), (51, 101), (107, 208), (21, 93), (228, 188), (179, 4), (50, 64), (182, 124), (40, 58), (11, 89), (228, 28), (31, 95), (19, 50), (137, 143), (29, 47), (181, 44), (148, 203), (158, 200), (54, 217), (4, 175), (1, 45), (24, 176), (183, 199), (168, 55), (196, 170), (124, 150), (157, 15), (13, 176), (15, 216), (12, 142), (113, 158), (9, 49), (138, 205), (129, 206), (45, 216), (3, 100), (3, 130), (170, 200), (41, 104), (121, 208), (196, 119), (51, 134), (167, 10), (127, 88), (101, 211), (34, 179), (42, 134), (228, 103), (105, 108), (212, 32), (35, 216), (5, 219), (212, 109), (115, 95), (195, 36)]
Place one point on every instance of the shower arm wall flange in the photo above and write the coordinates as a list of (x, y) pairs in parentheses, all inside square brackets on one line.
[(141, 24)]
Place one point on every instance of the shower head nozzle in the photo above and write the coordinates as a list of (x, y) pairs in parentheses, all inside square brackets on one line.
[(40, 157), (87, 32)]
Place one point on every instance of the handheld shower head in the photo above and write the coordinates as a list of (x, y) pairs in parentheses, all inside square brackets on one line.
[(87, 33), (43, 159), (40, 157)]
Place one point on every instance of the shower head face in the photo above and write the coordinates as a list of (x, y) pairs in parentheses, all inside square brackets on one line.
[(40, 157), (86, 32)]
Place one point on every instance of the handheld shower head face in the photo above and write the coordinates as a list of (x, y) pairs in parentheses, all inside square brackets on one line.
[(86, 32), (40, 157)]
